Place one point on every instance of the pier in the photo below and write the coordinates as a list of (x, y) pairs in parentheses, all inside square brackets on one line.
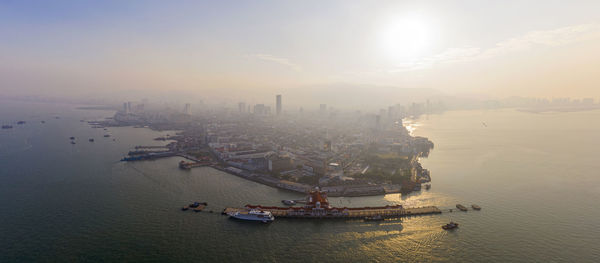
[(349, 213), (150, 147)]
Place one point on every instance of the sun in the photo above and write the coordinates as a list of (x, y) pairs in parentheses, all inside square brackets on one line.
[(406, 37)]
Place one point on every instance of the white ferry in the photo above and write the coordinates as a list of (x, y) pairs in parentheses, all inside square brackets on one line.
[(253, 215)]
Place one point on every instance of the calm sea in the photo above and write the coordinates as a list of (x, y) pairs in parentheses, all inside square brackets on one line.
[(536, 176)]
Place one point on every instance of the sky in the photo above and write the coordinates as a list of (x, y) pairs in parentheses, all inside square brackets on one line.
[(308, 50)]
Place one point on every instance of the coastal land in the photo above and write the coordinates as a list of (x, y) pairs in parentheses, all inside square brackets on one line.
[(343, 155)]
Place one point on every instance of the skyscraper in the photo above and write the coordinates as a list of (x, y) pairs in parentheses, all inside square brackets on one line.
[(278, 104), (187, 109), (259, 109), (323, 108), (241, 107)]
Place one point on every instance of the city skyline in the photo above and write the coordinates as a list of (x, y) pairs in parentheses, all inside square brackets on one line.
[(93, 49)]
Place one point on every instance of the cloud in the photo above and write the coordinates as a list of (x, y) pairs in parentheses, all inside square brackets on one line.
[(282, 61), (535, 39)]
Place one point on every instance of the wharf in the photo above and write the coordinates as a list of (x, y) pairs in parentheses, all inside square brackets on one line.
[(348, 212), (150, 147)]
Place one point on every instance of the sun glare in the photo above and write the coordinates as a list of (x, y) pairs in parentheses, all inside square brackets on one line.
[(405, 37)]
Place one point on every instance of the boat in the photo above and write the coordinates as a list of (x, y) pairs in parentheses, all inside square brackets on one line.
[(21, 122), (91, 140), (197, 204), (72, 142), (417, 187), (476, 207), (7, 126), (450, 225), (374, 218), (43, 121), (288, 202), (461, 207), (253, 215), (107, 135), (72, 138)]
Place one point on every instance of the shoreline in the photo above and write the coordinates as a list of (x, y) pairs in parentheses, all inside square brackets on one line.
[(271, 182)]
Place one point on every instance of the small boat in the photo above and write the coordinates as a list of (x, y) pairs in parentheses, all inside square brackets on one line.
[(72, 138), (476, 207), (450, 225), (185, 208), (288, 202), (91, 140), (72, 142), (107, 135), (417, 187), (253, 215), (21, 122), (461, 207), (374, 218), (197, 204), (7, 126), (43, 121)]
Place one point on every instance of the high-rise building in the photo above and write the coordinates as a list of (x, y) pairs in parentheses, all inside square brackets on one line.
[(259, 109), (129, 107), (187, 109), (125, 107), (241, 107), (278, 104), (322, 108)]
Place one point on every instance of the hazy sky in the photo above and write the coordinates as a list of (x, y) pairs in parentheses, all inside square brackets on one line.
[(252, 50)]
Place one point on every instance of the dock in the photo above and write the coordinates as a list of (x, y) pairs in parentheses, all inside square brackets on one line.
[(349, 213), (149, 147)]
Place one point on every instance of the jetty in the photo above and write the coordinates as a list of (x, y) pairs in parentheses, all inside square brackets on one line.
[(344, 212), (317, 206), (150, 147)]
